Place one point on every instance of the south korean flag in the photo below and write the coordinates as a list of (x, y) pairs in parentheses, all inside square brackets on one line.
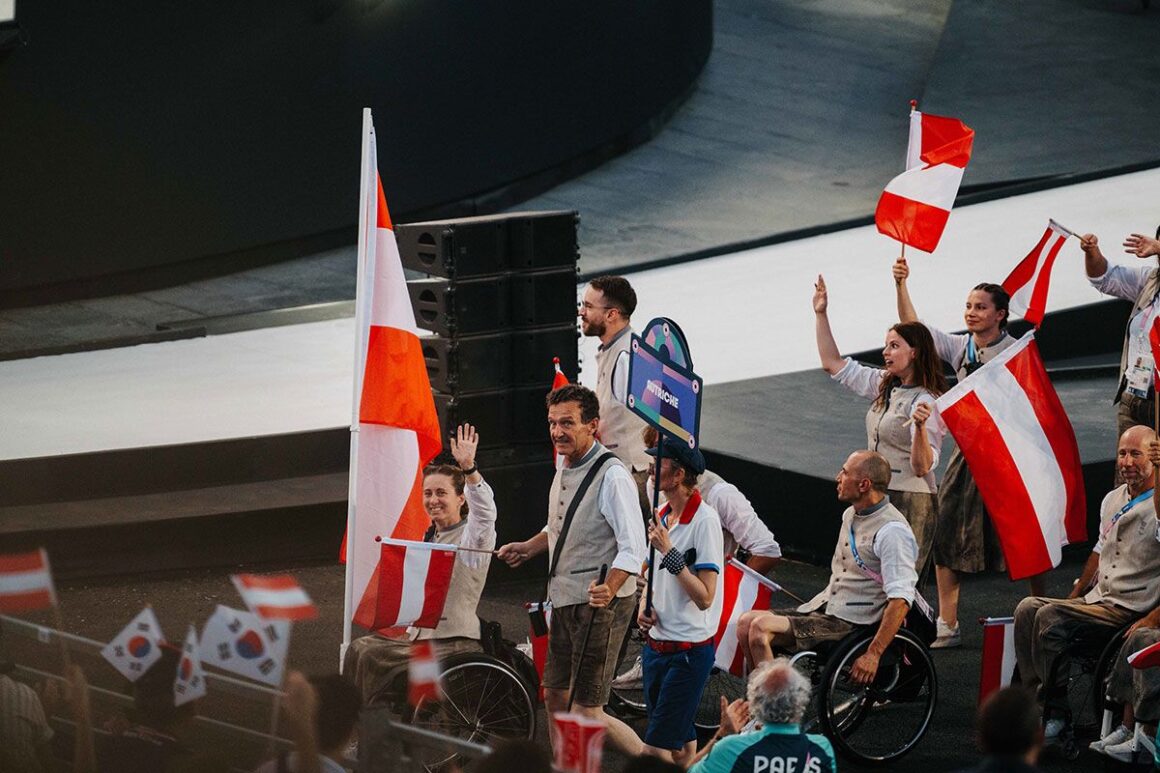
[(245, 644), (190, 682), (137, 646)]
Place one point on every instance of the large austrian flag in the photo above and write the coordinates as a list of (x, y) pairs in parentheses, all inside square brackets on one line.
[(398, 429), (744, 590), (916, 204), (1021, 450)]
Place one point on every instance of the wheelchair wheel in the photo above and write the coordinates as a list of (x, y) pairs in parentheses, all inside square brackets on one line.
[(879, 723), (809, 665), (628, 699), (720, 684), (484, 701)]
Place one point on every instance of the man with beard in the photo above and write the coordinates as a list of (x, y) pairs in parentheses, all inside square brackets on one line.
[(605, 312)]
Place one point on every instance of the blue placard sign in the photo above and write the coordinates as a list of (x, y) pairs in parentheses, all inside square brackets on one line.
[(663, 393)]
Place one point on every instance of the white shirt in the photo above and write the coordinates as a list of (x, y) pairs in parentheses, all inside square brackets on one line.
[(740, 522), (897, 550), (678, 617), (479, 533)]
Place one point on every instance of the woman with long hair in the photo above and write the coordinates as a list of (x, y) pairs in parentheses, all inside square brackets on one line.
[(902, 423), (965, 539)]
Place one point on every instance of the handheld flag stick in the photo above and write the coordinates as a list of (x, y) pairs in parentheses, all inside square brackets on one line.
[(272, 750), (584, 645), (792, 595)]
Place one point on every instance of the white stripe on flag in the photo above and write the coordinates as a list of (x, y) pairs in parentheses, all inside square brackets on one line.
[(1008, 668), (290, 597), (1015, 417), (414, 585), (727, 649), (423, 671), (936, 186), (25, 582)]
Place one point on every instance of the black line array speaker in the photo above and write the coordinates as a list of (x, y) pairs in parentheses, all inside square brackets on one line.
[(500, 299), (492, 244)]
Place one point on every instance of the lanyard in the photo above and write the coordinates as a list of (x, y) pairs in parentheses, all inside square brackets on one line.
[(1123, 511)]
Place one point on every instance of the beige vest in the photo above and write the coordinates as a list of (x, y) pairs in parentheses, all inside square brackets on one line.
[(620, 428), (851, 595), (459, 612), (590, 542), (1143, 299), (1129, 568), (887, 433)]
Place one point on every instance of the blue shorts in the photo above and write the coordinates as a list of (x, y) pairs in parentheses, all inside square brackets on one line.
[(673, 684)]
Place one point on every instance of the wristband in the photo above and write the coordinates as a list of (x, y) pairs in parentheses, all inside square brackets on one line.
[(673, 562), (471, 470)]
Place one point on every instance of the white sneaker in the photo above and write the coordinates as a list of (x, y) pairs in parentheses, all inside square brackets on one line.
[(947, 637), (632, 679), (1053, 730), (1125, 751), (1117, 736)]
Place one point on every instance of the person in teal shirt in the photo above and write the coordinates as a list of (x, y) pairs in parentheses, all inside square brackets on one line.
[(778, 697)]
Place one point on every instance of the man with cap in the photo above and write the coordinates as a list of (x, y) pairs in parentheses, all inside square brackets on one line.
[(686, 604), (872, 577)]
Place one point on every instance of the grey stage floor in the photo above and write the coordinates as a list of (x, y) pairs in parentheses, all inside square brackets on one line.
[(99, 609), (798, 121)]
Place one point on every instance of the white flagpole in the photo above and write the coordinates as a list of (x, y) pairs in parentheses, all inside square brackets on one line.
[(368, 208)]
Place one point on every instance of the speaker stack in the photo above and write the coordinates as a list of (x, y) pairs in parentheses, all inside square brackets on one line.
[(500, 303)]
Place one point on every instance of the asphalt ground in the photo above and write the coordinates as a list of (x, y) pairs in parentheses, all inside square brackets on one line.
[(98, 610)]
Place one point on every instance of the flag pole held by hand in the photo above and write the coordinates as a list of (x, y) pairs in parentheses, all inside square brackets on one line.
[(584, 645)]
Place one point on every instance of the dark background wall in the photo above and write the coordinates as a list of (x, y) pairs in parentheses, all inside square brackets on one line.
[(137, 135)]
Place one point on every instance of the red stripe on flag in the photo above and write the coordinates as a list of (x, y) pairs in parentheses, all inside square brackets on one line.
[(303, 612), (729, 600), (22, 562), (946, 141), (435, 588), (1154, 340), (396, 391), (1025, 271), (1028, 369), (268, 581), (384, 215), (1038, 305), (390, 593), (910, 222), (25, 602), (1007, 500), (991, 673)]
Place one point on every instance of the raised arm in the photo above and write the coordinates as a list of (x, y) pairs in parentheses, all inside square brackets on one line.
[(1094, 262), (906, 312), (921, 452), (832, 360)]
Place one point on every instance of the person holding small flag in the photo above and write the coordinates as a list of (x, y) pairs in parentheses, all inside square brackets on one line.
[(686, 605), (461, 506), (964, 537), (1141, 286), (902, 423), (1120, 581)]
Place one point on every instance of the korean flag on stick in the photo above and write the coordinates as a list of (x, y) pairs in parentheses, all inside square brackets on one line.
[(137, 646), (245, 644), (190, 682)]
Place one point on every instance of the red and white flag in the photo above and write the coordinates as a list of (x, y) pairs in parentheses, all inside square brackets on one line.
[(394, 412), (423, 673), (189, 683), (1028, 283), (916, 204), (26, 582), (1148, 657), (137, 646), (744, 590), (275, 597), (539, 641), (1021, 450), (558, 380), (998, 655), (413, 582)]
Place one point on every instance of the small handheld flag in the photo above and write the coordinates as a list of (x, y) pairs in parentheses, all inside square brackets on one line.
[(26, 582), (275, 597), (189, 684), (413, 582), (1028, 283), (245, 644), (137, 646), (423, 673)]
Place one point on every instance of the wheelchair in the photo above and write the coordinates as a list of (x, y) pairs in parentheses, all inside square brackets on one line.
[(873, 724), (487, 697), (1083, 668)]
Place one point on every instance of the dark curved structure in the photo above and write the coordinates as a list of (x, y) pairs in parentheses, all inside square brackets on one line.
[(209, 136)]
